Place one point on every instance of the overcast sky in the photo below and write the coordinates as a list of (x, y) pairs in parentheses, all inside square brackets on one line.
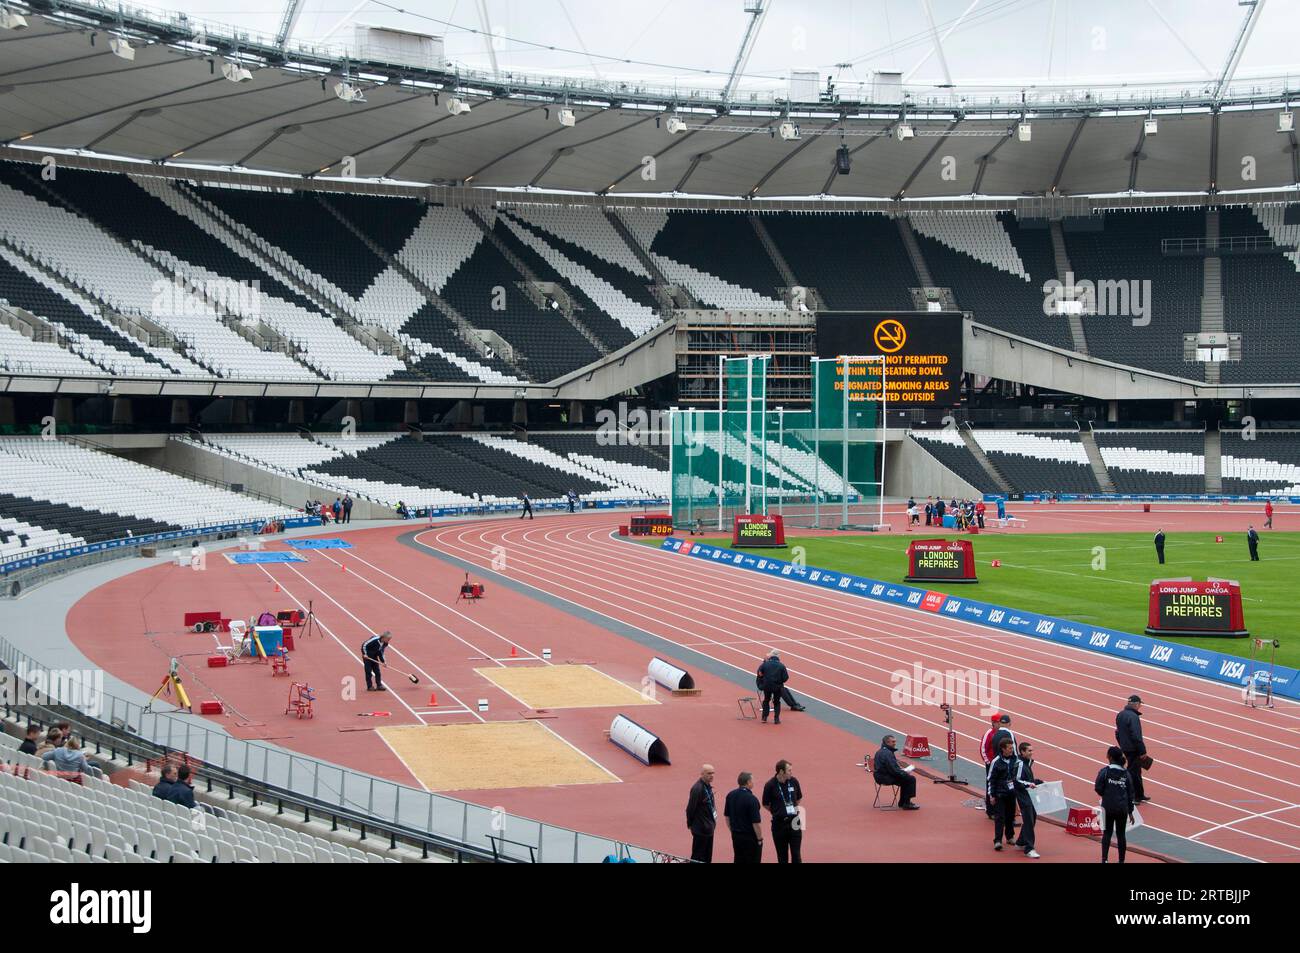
[(1005, 42)]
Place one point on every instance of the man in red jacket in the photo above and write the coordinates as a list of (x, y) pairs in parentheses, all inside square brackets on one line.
[(987, 753), (1268, 514)]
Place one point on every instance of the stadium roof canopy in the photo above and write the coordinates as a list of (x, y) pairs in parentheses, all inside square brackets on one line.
[(63, 88)]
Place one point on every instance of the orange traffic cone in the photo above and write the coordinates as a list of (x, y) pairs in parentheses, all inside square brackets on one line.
[(433, 699), (277, 587), (514, 653)]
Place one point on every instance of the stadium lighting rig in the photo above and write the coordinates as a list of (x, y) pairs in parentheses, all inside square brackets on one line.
[(236, 73), (12, 19), (675, 125), (457, 106), (1286, 121), (120, 48), (1024, 131)]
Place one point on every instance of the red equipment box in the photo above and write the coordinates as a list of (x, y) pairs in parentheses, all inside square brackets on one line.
[(757, 530), (210, 708), (940, 560), (218, 661), (1186, 607)]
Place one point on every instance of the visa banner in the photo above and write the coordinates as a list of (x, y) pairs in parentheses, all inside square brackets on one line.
[(1207, 663)]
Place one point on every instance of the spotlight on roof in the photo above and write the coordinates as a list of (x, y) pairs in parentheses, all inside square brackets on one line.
[(1024, 132), (235, 73), (1150, 126), (843, 161), (904, 132), (675, 125), (789, 131), (121, 48), (349, 93), (1286, 121), (566, 117), (457, 106), (12, 21)]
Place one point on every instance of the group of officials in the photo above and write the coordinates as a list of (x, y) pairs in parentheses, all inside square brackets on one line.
[(1252, 538), (743, 813)]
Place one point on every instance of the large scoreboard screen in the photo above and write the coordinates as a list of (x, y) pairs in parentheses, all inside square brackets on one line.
[(1185, 607), (922, 350)]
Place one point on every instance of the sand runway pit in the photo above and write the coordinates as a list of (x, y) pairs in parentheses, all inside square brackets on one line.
[(494, 754), (564, 686)]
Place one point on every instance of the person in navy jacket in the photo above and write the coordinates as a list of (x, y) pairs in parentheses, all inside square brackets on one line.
[(1114, 785), (1128, 735)]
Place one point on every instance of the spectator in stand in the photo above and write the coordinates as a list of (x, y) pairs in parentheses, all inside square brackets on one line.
[(347, 508), (68, 759), (31, 740), (1268, 514), (702, 816), (1114, 784), (53, 739), (182, 791), (166, 781)]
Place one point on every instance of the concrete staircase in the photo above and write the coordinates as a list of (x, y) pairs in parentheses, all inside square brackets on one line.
[(977, 451), (1212, 292), (511, 357), (1098, 464), (812, 299), (1213, 462), (914, 252), (534, 287), (665, 292), (1065, 275)]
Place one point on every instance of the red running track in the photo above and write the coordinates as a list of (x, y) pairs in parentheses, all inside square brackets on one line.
[(132, 626), (1226, 776)]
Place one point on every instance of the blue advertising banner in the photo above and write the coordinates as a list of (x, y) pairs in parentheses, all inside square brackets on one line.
[(1218, 666)]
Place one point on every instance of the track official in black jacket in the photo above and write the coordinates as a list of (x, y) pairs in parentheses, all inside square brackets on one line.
[(1160, 546), (886, 770), (702, 816), (1026, 782), (1117, 803), (1252, 541), (1002, 792), (745, 820), (372, 656), (1128, 735), (774, 676), (781, 796)]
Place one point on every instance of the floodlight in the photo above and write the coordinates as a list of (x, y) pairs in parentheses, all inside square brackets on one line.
[(1150, 126), (904, 132), (1024, 132), (457, 106), (1286, 121), (235, 73), (789, 131), (121, 48), (349, 93), (675, 125), (12, 21), (566, 117)]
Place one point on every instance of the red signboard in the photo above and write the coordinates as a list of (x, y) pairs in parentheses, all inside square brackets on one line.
[(1184, 607), (758, 530), (940, 560)]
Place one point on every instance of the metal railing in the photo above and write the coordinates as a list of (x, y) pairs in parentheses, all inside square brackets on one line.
[(405, 815)]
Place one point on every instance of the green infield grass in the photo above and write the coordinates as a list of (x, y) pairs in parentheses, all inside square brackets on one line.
[(1094, 578)]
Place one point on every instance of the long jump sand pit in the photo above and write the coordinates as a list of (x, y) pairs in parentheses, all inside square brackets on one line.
[(494, 754), (564, 686)]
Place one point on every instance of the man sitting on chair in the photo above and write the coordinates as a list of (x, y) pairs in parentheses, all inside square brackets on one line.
[(888, 772)]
